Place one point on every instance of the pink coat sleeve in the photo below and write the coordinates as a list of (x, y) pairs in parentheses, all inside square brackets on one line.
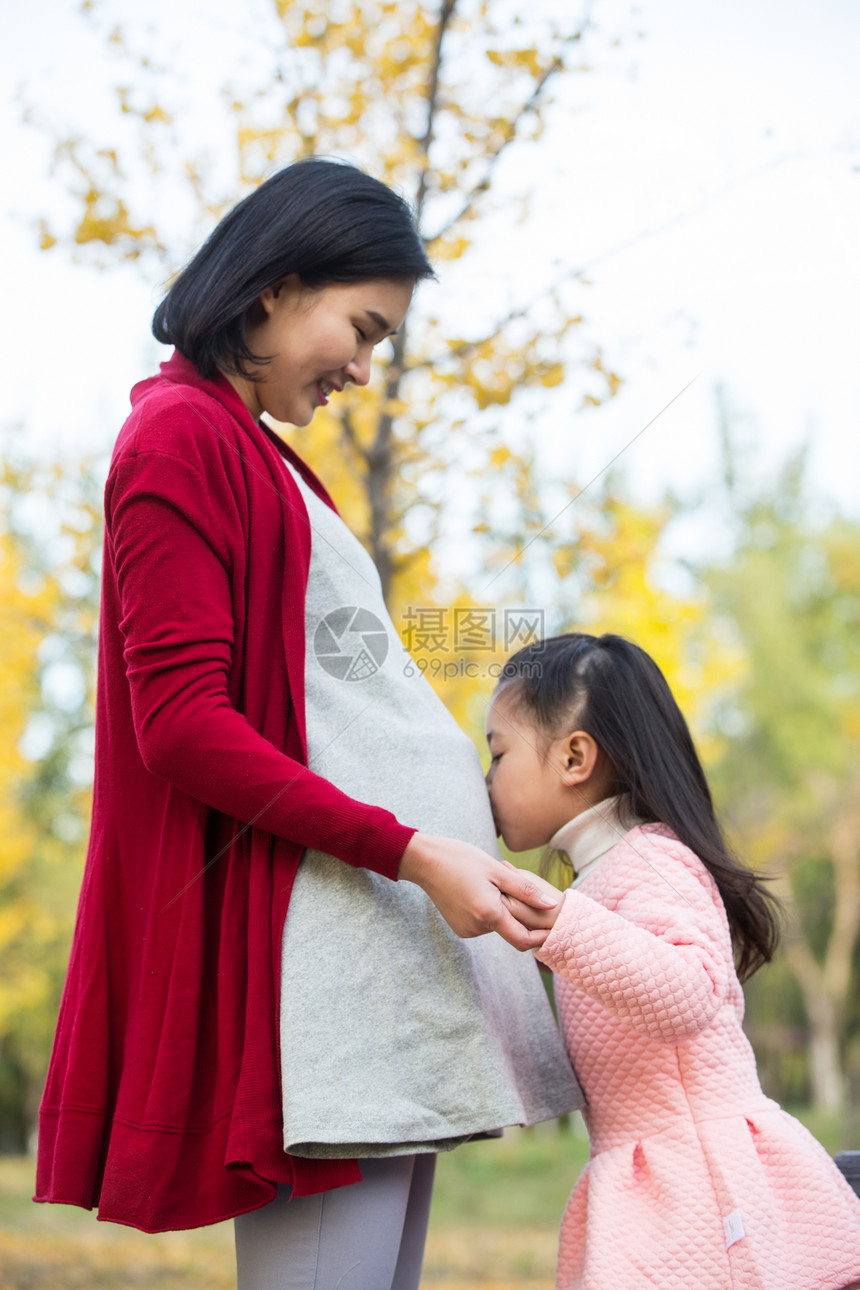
[(659, 957), (173, 573)]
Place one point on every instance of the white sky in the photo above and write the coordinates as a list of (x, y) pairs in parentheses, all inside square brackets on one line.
[(741, 116)]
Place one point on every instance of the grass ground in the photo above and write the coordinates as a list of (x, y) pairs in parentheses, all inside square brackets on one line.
[(494, 1223), (495, 1218)]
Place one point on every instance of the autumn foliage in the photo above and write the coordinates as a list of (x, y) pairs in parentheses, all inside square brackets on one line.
[(442, 467)]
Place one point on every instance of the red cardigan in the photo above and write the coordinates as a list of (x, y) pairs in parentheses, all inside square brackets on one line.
[(162, 1104)]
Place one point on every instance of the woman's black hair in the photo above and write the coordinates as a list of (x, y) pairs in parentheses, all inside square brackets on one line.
[(323, 220), (614, 691)]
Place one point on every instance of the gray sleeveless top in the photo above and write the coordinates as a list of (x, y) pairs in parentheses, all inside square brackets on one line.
[(396, 1036)]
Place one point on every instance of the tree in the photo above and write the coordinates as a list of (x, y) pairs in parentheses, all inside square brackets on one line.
[(791, 771), (441, 100), (624, 546), (49, 536)]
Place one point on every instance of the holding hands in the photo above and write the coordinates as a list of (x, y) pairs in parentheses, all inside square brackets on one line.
[(475, 894), (531, 917)]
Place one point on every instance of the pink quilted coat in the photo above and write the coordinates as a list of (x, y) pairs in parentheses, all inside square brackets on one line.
[(696, 1181)]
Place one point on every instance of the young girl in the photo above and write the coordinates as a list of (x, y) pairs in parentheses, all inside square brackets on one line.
[(259, 1019), (696, 1179)]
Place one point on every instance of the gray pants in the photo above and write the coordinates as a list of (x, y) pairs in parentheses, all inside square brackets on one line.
[(367, 1236)]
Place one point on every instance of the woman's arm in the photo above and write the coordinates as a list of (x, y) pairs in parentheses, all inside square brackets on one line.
[(173, 576)]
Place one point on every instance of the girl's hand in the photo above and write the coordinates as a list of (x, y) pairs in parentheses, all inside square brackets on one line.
[(473, 892)]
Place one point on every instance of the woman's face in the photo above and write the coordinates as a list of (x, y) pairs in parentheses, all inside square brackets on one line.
[(319, 338)]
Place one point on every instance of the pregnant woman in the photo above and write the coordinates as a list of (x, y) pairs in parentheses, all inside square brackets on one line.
[(281, 1002)]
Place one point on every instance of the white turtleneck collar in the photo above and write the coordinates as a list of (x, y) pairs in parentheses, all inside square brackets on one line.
[(588, 837)]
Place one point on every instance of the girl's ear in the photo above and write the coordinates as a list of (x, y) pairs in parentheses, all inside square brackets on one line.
[(580, 755)]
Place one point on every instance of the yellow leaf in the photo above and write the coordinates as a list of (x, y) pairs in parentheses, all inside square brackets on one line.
[(157, 113), (529, 58), (562, 562), (553, 375)]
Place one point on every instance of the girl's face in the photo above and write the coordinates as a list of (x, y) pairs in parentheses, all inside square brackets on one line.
[(319, 338), (529, 797), (537, 785)]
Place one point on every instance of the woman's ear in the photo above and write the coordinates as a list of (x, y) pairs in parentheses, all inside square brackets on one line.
[(269, 295), (580, 755)]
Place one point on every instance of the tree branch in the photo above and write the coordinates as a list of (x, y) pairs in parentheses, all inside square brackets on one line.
[(348, 431), (511, 135), (356, 457), (643, 235), (446, 13), (380, 470), (838, 961)]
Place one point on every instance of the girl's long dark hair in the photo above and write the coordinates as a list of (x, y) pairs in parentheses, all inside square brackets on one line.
[(614, 691), (324, 220)]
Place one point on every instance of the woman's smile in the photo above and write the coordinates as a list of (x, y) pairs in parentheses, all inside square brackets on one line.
[(315, 341), (325, 389)]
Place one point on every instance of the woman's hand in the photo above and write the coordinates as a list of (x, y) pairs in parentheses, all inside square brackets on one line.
[(475, 894), (534, 919), (528, 915)]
